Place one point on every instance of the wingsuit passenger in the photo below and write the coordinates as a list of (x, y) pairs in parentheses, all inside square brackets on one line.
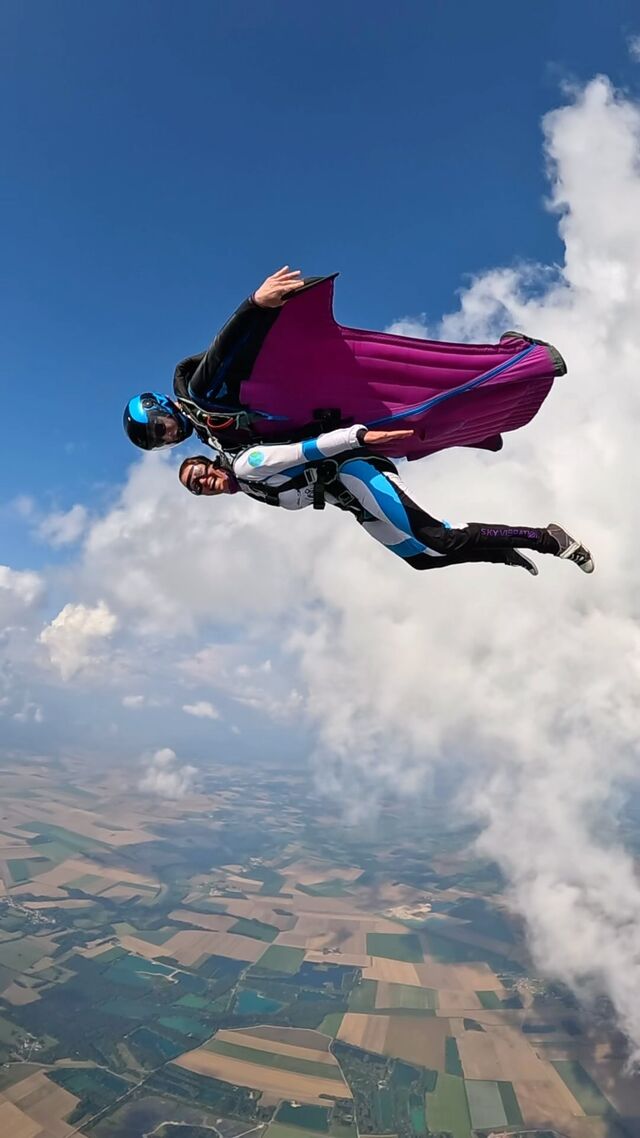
[(341, 468)]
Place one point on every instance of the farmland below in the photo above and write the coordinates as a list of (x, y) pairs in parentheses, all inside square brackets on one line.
[(240, 961)]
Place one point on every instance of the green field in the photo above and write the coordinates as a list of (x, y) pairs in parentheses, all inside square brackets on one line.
[(395, 946), (314, 1118), (452, 1064), (363, 997), (155, 936), (22, 954), (510, 1104), (185, 1025), (94, 1087), (151, 1048), (281, 958), (408, 997), (282, 1130), (10, 1034), (334, 888), (450, 951), (583, 1088), (271, 1059), (191, 1001), (19, 871), (447, 1109), (485, 1104), (331, 1024), (489, 999), (257, 930), (75, 842)]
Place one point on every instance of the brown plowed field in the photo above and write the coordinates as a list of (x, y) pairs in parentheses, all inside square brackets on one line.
[(13, 1122), (365, 1031), (305, 1088), (214, 922), (296, 1036), (417, 1040), (191, 946), (465, 977), (546, 1100), (44, 1103), (395, 971), (502, 1053)]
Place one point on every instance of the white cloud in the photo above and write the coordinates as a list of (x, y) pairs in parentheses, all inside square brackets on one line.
[(133, 701), (534, 681), (201, 710), (30, 712), (73, 634), (165, 777), (60, 529), (633, 44), (20, 590)]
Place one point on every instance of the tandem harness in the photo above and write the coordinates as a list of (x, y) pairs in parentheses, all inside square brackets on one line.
[(235, 427), (324, 478)]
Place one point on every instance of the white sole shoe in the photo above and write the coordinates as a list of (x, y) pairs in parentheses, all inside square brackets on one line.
[(570, 549)]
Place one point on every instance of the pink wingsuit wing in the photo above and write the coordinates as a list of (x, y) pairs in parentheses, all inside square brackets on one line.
[(450, 394)]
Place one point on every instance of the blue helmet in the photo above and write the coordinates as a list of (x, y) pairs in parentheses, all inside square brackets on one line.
[(152, 420)]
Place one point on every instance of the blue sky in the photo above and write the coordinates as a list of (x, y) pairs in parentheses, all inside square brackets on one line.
[(160, 159)]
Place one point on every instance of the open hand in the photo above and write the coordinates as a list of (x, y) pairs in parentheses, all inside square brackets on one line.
[(380, 438), (272, 292)]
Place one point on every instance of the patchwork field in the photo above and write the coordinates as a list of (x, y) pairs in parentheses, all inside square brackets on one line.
[(418, 1040), (204, 953), (36, 1106), (191, 947), (278, 1067)]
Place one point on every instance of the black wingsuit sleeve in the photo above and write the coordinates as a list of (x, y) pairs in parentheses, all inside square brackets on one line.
[(216, 375)]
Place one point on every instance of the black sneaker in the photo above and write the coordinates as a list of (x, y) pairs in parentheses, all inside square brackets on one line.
[(515, 557), (570, 548)]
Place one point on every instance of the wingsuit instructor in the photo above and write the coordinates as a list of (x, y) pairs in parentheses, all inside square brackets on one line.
[(204, 383), (341, 467)]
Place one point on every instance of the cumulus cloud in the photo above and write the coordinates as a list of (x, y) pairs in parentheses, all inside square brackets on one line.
[(165, 777), (534, 681), (72, 636), (20, 590), (59, 529), (201, 710)]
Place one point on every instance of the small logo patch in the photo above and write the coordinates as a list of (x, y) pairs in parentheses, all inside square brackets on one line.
[(256, 458)]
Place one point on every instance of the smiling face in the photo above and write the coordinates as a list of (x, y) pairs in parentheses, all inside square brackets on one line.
[(200, 475)]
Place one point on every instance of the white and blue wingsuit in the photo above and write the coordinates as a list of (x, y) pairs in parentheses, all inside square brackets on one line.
[(337, 468)]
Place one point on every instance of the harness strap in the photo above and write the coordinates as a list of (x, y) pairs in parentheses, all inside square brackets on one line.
[(324, 477), (208, 424)]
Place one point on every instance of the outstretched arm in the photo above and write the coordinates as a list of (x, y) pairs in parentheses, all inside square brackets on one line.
[(261, 461), (254, 317)]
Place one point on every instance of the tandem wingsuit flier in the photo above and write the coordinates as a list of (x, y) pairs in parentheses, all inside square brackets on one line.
[(282, 372)]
